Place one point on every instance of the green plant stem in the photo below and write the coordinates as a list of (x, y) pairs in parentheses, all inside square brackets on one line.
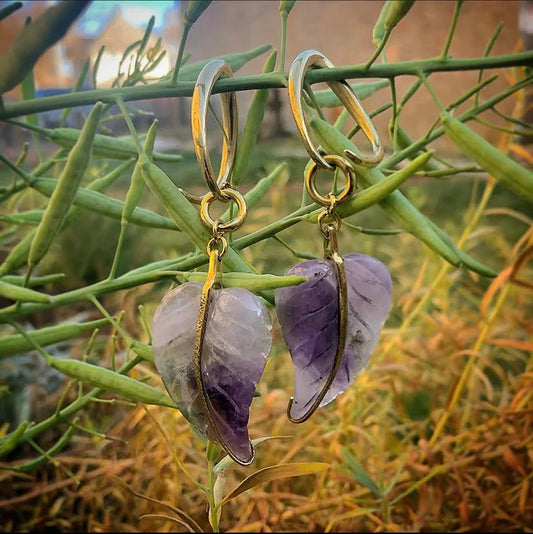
[(283, 45), (487, 51), (464, 117), (179, 59), (76, 405), (263, 81), (451, 31), (213, 515), (378, 50), (153, 272)]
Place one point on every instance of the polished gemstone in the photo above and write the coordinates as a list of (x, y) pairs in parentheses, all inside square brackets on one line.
[(236, 344), (308, 315)]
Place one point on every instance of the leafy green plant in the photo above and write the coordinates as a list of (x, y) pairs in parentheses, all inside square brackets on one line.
[(30, 234)]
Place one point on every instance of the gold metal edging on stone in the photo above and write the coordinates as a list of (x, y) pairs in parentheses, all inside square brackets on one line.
[(219, 189), (329, 221)]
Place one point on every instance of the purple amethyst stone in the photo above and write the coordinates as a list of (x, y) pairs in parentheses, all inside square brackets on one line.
[(236, 344), (308, 315)]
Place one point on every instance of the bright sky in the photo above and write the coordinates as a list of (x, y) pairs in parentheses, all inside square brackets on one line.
[(135, 12)]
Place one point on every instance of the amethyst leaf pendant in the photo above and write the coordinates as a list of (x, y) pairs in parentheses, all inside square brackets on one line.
[(310, 315), (236, 344)]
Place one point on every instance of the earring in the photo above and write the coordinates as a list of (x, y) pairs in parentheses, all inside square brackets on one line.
[(331, 323), (210, 344)]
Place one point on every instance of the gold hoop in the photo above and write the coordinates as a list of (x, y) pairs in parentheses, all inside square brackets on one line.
[(231, 225), (332, 162), (212, 71), (302, 63)]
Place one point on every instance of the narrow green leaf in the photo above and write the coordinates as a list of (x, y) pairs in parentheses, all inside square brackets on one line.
[(356, 470)]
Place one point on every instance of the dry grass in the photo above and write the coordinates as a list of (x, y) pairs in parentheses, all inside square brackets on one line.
[(440, 421)]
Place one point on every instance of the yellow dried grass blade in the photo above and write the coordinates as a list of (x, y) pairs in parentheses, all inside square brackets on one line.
[(275, 472)]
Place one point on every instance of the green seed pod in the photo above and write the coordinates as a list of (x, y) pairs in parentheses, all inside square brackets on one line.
[(328, 99), (101, 184), (378, 33), (501, 167), (189, 73), (9, 9), (67, 185), (186, 218), (253, 124), (106, 146), (17, 343), (195, 8), (396, 12), (258, 192), (285, 7), (111, 381), (18, 255), (395, 204), (23, 217), (33, 41), (377, 192), (404, 141), (251, 282), (34, 281), (136, 188), (22, 294), (9, 442), (108, 206)]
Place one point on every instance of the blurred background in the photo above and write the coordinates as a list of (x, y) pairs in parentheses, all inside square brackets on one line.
[(340, 29), (475, 477)]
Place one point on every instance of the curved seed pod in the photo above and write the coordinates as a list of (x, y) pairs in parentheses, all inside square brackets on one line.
[(396, 12), (378, 32), (236, 344), (308, 316), (107, 379), (67, 186), (31, 43), (194, 10), (23, 294), (503, 168)]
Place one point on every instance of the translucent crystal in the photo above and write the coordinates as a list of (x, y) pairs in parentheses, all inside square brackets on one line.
[(308, 315), (236, 344)]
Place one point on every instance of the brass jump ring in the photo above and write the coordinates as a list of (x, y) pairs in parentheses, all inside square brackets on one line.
[(302, 63), (218, 244), (227, 195), (332, 163), (212, 71)]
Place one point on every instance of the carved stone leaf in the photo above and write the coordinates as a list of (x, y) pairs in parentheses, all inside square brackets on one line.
[(308, 315), (236, 344)]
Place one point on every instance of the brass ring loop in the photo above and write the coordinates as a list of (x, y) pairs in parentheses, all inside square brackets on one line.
[(334, 222), (212, 71), (333, 162), (302, 63), (214, 243), (228, 226)]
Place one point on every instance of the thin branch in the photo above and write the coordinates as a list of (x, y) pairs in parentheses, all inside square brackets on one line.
[(262, 81)]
